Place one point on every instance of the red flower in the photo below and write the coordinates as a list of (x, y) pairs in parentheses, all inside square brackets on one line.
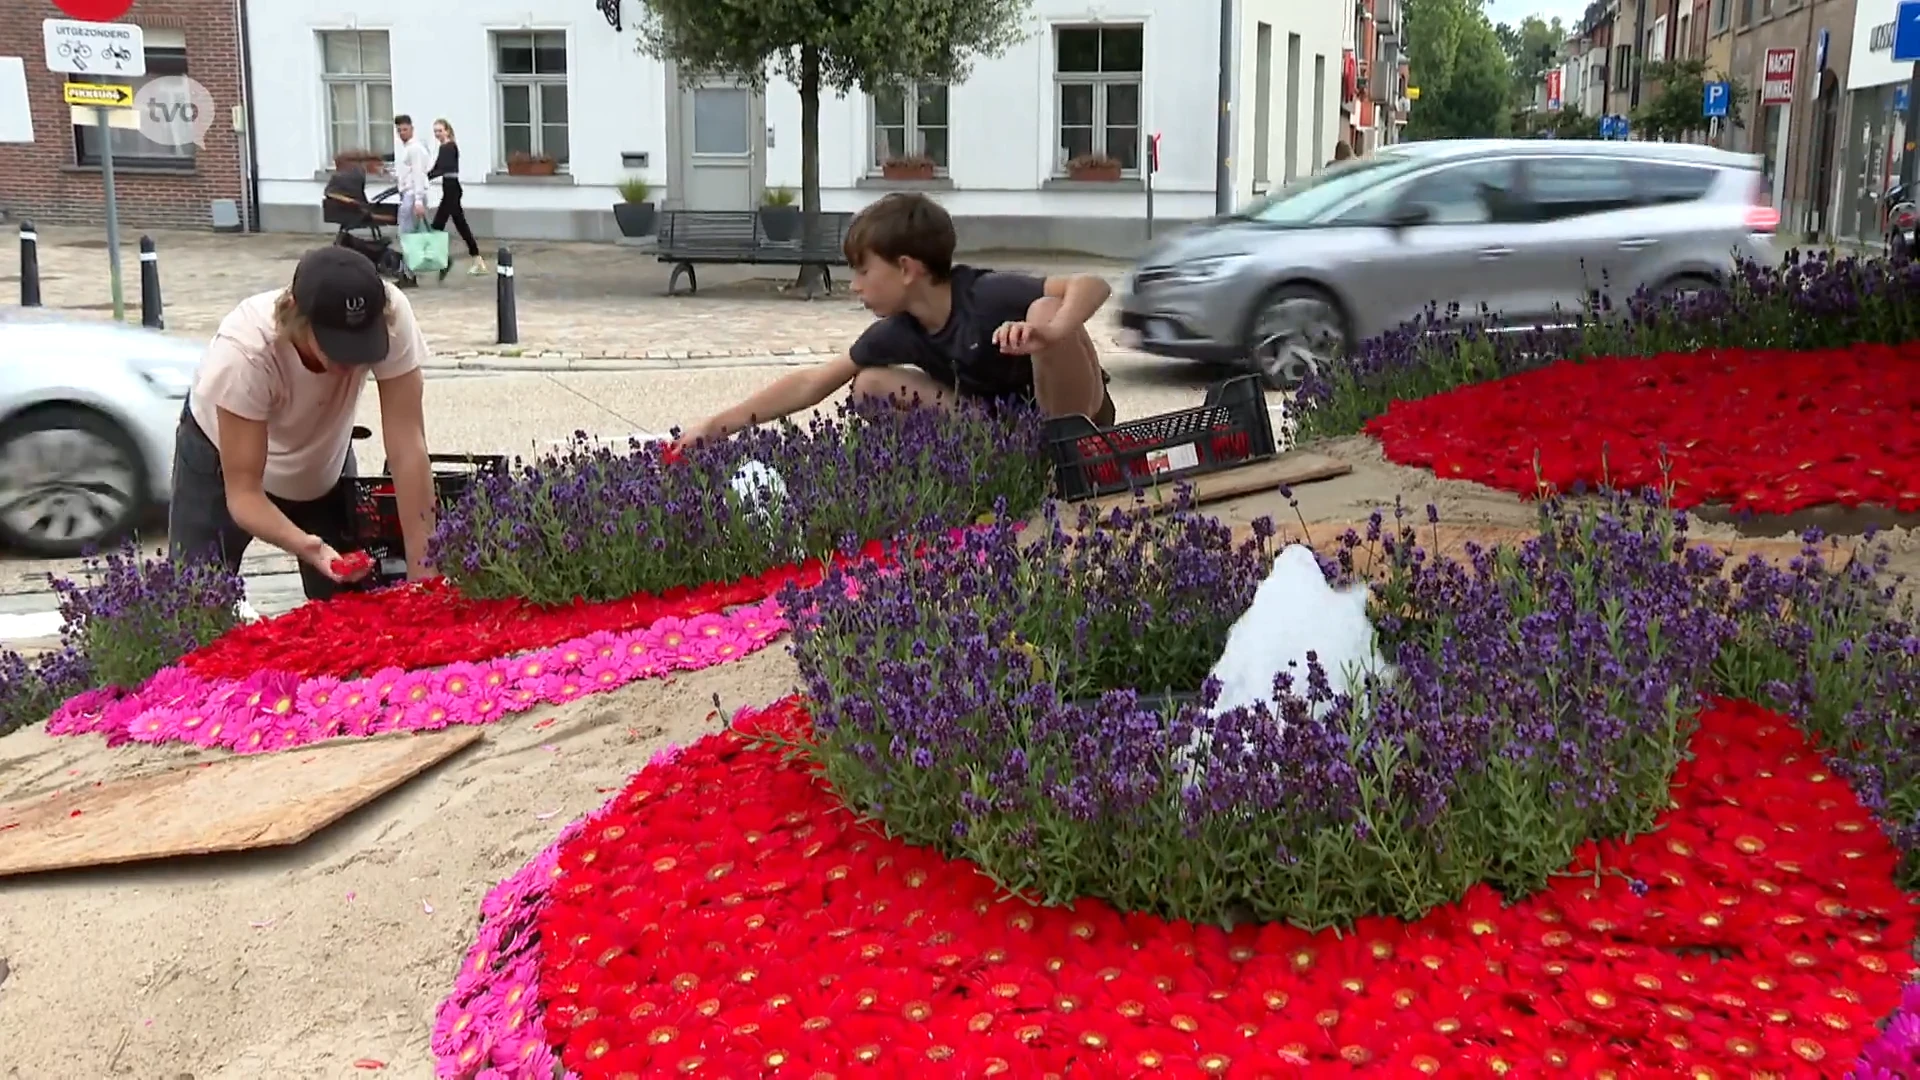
[(1770, 432)]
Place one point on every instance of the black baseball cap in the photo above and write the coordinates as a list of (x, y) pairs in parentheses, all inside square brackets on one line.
[(341, 296)]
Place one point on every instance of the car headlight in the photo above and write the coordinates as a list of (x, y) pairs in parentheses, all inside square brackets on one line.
[(167, 381), (1198, 271)]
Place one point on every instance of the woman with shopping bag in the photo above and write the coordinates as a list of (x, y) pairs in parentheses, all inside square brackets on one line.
[(446, 169)]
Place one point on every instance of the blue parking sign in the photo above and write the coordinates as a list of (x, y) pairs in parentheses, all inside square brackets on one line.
[(1900, 98), (1906, 32), (1718, 95)]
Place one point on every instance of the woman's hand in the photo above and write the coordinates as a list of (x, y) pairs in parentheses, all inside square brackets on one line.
[(320, 555)]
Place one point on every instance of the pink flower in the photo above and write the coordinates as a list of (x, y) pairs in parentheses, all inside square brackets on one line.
[(318, 693), (496, 676), (457, 1024), (383, 682), (485, 708), (430, 713), (458, 679), (567, 657), (470, 1057), (531, 667), (254, 737), (604, 674), (150, 726), (354, 697), (411, 688), (190, 722), (668, 633), (358, 720), (633, 645), (562, 689), (705, 626), (730, 645), (214, 732), (600, 645), (512, 1054), (525, 696)]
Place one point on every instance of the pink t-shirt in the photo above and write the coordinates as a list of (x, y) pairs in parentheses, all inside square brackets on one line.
[(251, 373)]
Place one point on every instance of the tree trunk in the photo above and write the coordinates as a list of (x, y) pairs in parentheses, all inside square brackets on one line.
[(811, 274)]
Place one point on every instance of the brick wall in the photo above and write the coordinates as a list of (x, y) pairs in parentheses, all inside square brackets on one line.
[(41, 181)]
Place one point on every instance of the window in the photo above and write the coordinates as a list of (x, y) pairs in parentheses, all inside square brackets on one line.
[(1661, 183), (1292, 126), (1573, 187), (131, 146), (1097, 77), (530, 70), (1719, 16), (1473, 193), (358, 74), (1310, 199), (1656, 50), (909, 121), (1746, 12), (1623, 67), (1683, 40)]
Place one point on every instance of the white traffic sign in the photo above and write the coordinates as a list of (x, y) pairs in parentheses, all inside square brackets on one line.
[(90, 48)]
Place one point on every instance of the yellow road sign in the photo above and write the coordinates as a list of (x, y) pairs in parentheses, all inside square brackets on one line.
[(100, 95)]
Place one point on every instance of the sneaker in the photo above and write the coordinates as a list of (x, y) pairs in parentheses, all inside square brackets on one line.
[(479, 267)]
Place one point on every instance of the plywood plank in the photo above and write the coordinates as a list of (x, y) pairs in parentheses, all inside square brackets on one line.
[(235, 804), (1292, 469)]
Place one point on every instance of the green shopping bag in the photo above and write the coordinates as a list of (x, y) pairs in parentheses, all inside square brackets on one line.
[(425, 250)]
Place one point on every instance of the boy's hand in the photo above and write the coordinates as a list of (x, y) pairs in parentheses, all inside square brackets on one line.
[(704, 431), (1024, 338)]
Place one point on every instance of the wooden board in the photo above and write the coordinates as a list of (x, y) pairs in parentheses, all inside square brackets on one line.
[(1292, 469), (235, 804)]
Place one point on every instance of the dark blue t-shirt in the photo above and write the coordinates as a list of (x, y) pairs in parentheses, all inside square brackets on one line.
[(961, 355)]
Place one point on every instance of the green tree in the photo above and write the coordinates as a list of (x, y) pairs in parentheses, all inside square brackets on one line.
[(836, 46), (1532, 49), (1675, 112), (1464, 79)]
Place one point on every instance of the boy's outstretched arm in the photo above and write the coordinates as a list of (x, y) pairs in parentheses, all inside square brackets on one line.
[(1078, 298), (780, 398)]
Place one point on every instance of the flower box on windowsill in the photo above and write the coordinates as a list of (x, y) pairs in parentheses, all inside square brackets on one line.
[(531, 165), (911, 168), (1094, 169)]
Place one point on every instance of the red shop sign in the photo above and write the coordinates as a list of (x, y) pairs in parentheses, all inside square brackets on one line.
[(1776, 85)]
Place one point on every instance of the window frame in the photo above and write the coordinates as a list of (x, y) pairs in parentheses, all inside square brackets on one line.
[(172, 61), (535, 99), (360, 80), (910, 125), (1720, 15), (1101, 81), (1622, 67)]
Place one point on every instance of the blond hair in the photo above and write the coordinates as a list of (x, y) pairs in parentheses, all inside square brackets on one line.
[(442, 121)]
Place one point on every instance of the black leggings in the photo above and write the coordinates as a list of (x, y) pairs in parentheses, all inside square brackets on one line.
[(450, 207), (199, 526)]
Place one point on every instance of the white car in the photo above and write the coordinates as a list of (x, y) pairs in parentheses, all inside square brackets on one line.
[(87, 417)]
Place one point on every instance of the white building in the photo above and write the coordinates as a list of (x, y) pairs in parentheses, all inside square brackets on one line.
[(1874, 129), (1090, 78)]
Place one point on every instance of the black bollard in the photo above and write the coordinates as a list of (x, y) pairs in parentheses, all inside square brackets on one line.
[(29, 265), (509, 312), (150, 316)]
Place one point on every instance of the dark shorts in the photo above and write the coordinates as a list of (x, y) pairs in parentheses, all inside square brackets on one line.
[(199, 526)]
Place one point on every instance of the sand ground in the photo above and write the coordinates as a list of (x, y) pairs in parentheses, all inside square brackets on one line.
[(299, 963)]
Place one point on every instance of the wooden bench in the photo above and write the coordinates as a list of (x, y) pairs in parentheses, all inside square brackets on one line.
[(687, 238)]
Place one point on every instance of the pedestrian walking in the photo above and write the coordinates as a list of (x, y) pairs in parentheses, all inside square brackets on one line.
[(410, 164), (446, 169)]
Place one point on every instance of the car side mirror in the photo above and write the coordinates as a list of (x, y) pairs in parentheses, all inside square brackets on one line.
[(1411, 214)]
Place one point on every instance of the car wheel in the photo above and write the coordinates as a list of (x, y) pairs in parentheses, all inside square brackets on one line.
[(71, 480), (1685, 287), (1297, 330)]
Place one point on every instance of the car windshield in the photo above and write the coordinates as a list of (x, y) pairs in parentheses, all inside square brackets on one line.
[(1307, 199)]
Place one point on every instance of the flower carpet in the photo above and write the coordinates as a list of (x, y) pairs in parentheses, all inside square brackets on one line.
[(725, 916), (1769, 432), (422, 657)]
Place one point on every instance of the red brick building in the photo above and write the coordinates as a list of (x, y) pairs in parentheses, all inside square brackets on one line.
[(56, 178)]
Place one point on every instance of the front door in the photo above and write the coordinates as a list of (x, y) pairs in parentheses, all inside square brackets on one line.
[(721, 133)]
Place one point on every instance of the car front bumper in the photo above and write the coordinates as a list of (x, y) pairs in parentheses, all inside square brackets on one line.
[(1167, 329)]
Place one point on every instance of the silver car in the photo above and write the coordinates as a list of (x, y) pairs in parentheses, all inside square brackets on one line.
[(87, 415), (1517, 233)]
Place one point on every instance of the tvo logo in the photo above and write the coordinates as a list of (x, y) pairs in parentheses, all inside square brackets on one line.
[(175, 111)]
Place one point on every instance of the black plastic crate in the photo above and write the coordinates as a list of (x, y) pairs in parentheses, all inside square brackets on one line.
[(376, 512), (1232, 428)]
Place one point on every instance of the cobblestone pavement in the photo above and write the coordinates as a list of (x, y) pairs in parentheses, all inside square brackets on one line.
[(581, 306)]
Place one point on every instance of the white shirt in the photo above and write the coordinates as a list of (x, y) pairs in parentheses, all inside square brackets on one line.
[(410, 166)]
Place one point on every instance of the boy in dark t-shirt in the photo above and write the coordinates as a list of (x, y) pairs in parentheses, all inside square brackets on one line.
[(944, 332)]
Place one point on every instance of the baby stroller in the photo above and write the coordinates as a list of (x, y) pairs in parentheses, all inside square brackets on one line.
[(361, 219)]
